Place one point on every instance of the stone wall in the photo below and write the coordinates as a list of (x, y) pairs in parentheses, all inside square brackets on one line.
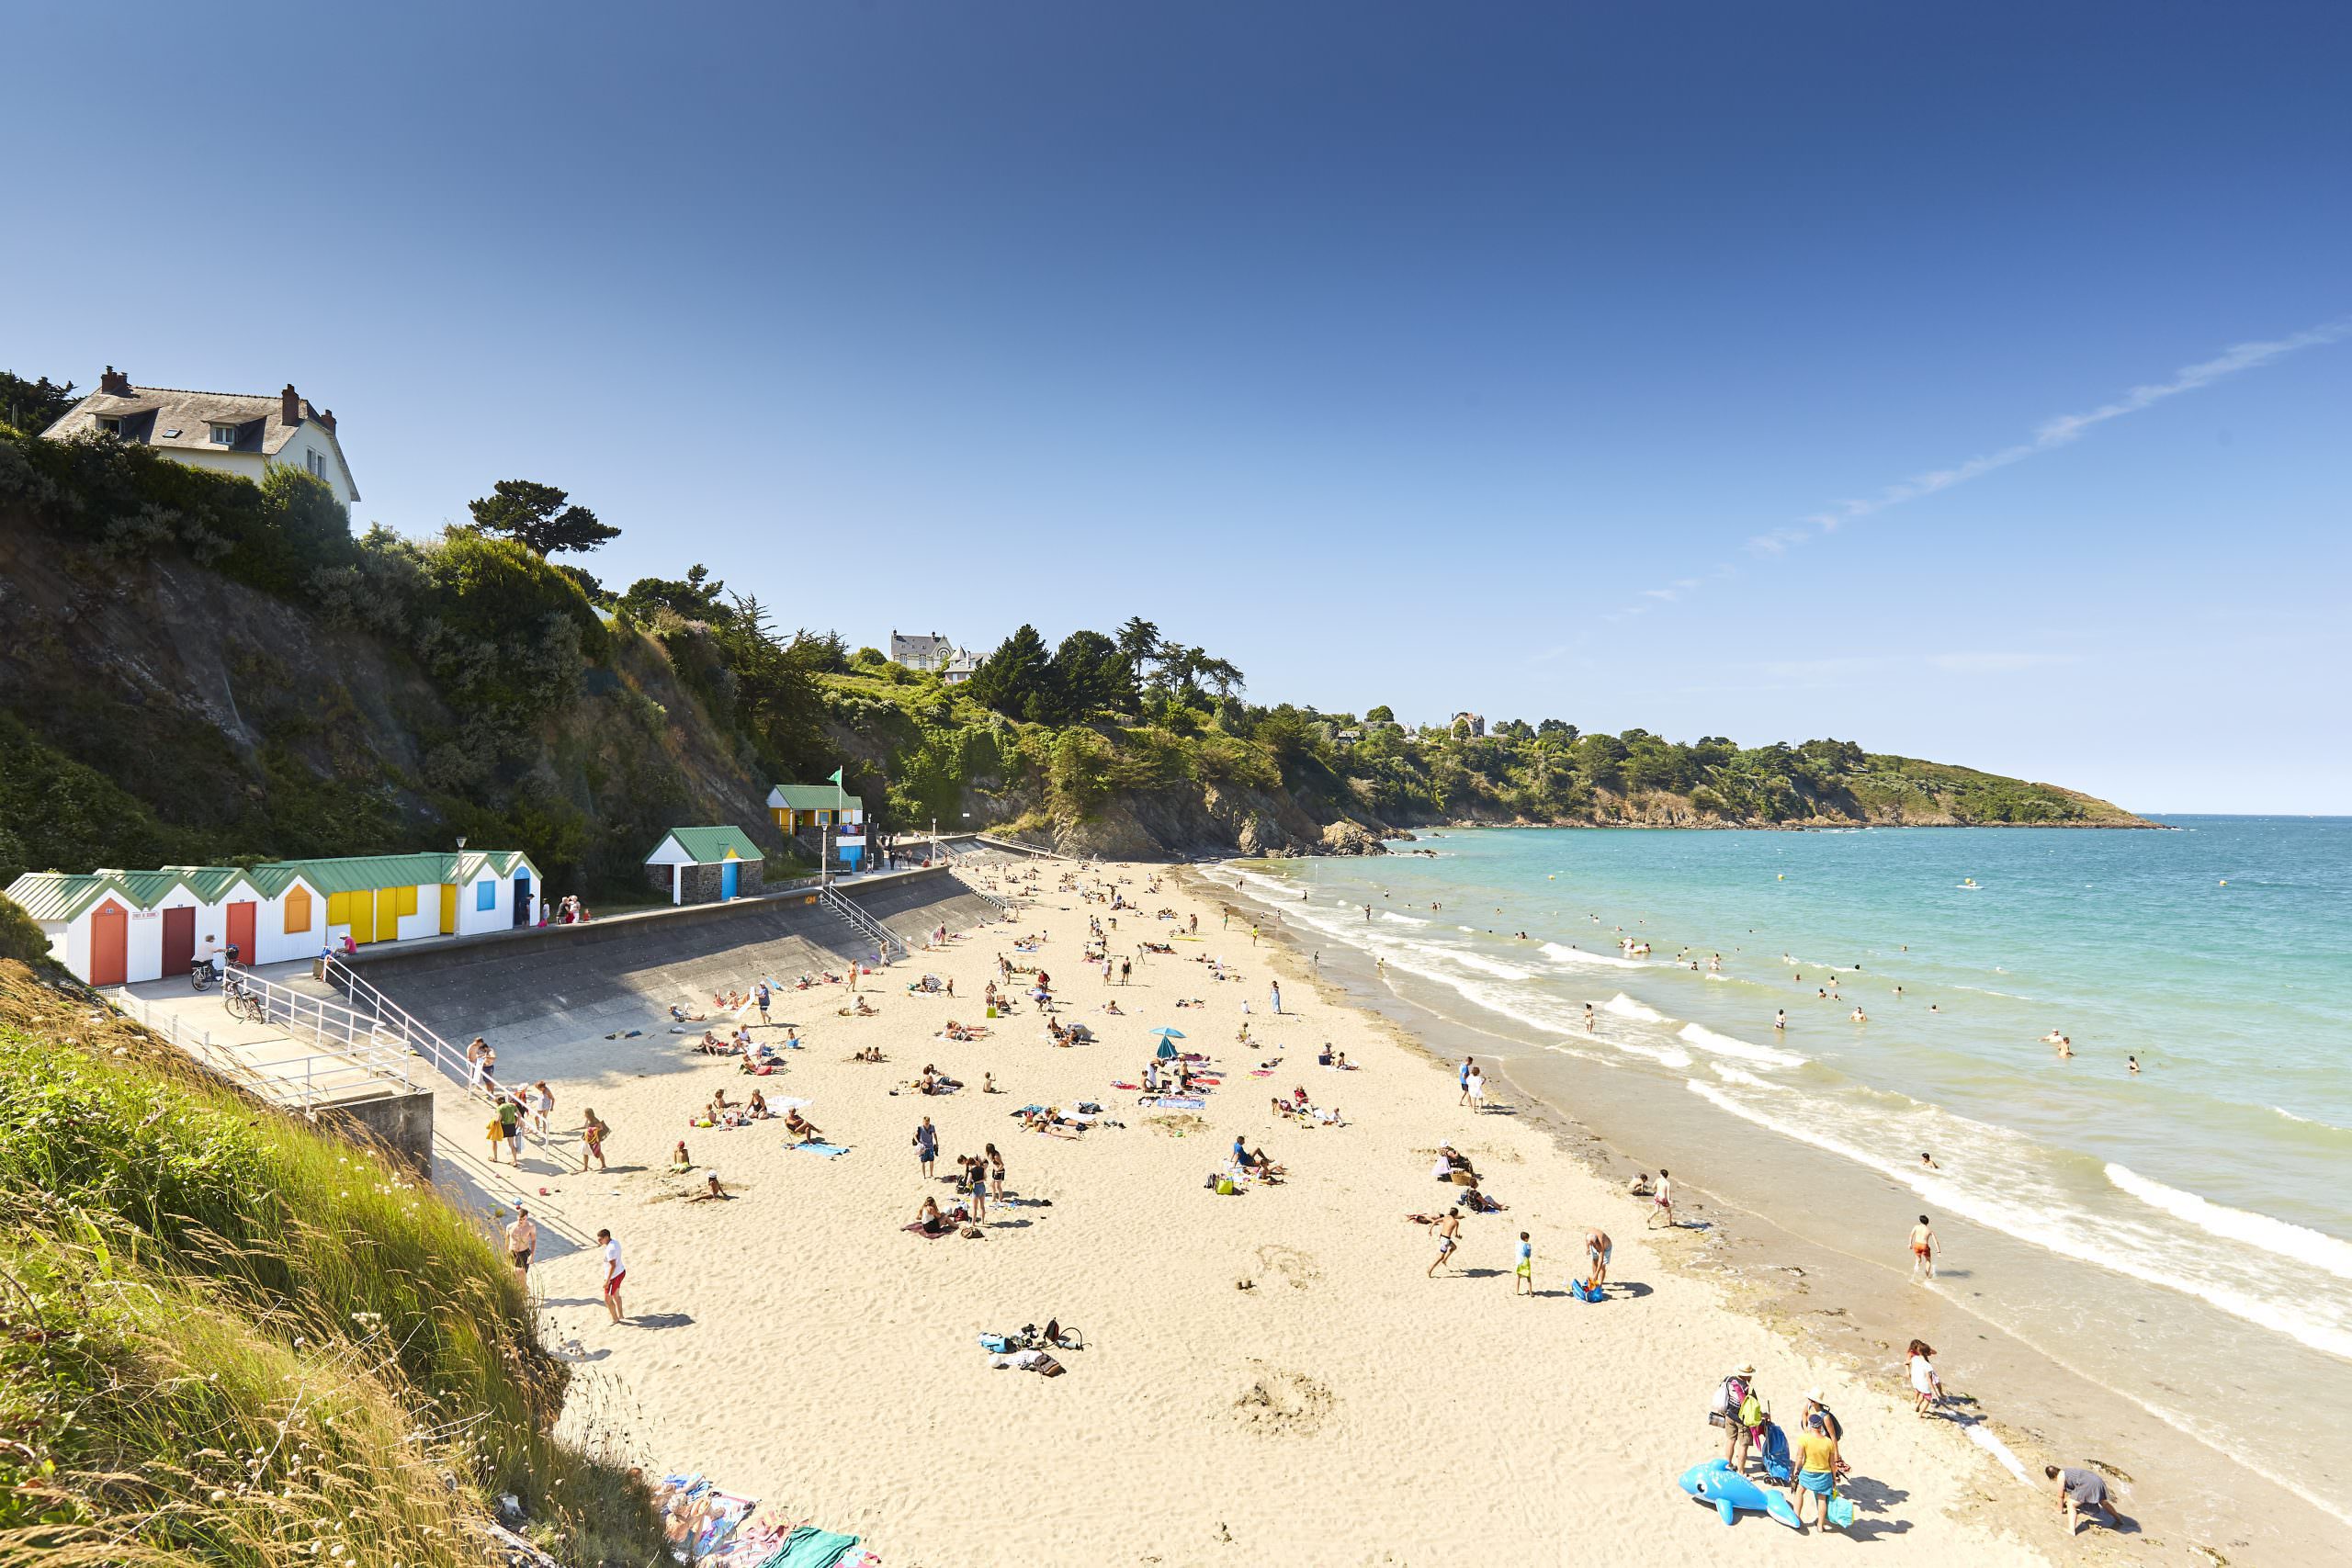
[(701, 883)]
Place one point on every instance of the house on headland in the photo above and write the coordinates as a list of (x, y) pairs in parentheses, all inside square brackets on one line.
[(234, 432), (935, 653), (113, 928), (706, 866), (1471, 724)]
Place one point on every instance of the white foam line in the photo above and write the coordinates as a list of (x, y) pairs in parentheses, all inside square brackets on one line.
[(2291, 1241), (2027, 1228), (1577, 955), (1706, 1039)]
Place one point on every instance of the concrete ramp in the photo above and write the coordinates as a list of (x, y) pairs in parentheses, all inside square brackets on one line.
[(557, 984)]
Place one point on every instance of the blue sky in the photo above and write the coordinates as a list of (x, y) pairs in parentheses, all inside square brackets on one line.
[(1439, 356)]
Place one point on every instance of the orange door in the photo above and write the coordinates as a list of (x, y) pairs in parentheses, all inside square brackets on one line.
[(240, 930), (109, 945)]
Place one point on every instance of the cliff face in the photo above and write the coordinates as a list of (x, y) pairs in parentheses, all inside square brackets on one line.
[(153, 711)]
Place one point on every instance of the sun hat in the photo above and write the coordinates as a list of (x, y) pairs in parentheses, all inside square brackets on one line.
[(1816, 1396), (1745, 1371)]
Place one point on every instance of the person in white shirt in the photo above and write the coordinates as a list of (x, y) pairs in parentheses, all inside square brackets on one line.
[(1477, 1087), (1925, 1384), (614, 1274)]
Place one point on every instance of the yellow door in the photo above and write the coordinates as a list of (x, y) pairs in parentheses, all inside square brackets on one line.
[(357, 910), (449, 908)]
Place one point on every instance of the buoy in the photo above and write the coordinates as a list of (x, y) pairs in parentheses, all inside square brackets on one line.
[(1782, 877), (2226, 882)]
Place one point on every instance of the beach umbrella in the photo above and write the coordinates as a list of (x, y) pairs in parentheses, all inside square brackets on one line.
[(1170, 1033)]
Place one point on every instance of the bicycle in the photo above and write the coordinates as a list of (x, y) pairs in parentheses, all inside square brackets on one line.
[(243, 1000)]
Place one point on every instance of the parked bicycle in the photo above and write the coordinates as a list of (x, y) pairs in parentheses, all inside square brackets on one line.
[(243, 1000)]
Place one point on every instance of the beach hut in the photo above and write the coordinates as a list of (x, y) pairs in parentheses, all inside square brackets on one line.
[(114, 928), (704, 865)]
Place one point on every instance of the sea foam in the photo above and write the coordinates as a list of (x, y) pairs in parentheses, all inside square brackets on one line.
[(1707, 1040), (2315, 1247)]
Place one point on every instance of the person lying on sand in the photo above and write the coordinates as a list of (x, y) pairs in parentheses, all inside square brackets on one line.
[(860, 1010), (712, 1193), (871, 1054), (678, 1014)]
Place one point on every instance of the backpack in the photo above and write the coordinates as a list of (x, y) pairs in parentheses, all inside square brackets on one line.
[(1728, 1397)]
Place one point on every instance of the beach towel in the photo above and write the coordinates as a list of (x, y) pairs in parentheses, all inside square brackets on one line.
[(1262, 1072), (808, 1547), (916, 1229), (831, 1151), (1130, 1086), (1176, 1101)]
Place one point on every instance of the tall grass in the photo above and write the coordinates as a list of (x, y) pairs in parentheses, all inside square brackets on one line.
[(197, 1283)]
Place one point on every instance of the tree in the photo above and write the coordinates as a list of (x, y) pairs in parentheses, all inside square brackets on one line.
[(535, 516), (1091, 675), (1383, 713), (695, 599), (1015, 676), (33, 406), (1138, 640)]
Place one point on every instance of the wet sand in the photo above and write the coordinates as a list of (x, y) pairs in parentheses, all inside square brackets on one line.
[(1832, 1276)]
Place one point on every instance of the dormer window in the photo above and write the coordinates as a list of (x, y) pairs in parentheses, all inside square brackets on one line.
[(111, 426), (224, 436)]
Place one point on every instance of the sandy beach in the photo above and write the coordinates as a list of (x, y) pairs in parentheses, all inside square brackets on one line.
[(1266, 1377)]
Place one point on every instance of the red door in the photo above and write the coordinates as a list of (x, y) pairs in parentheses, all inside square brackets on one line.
[(179, 941), (109, 945), (240, 930)]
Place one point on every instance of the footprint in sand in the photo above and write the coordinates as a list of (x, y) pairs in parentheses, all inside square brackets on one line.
[(1280, 1404), (1296, 1268)]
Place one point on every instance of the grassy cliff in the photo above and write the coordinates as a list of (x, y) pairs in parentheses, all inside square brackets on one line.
[(226, 1337), (195, 668)]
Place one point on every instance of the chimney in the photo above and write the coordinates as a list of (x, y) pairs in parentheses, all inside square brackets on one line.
[(289, 407), (326, 417), (115, 383)]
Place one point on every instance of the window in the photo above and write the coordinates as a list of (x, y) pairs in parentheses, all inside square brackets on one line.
[(485, 894), (111, 426), (224, 436), (298, 912), (316, 460)]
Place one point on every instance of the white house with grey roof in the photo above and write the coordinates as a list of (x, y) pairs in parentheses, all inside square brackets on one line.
[(929, 650), (234, 432)]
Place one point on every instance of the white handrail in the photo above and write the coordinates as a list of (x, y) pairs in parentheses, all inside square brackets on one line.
[(889, 946), (420, 1038)]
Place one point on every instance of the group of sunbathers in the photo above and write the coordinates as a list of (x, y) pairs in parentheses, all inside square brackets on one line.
[(725, 1112), (931, 1080), (954, 1030), (1298, 1108)]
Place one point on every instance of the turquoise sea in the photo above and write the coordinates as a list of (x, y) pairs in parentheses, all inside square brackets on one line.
[(2197, 1215)]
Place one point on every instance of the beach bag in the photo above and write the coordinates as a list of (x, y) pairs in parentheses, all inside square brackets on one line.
[(1840, 1511), (1720, 1408), (995, 1344), (1225, 1188), (1774, 1447)]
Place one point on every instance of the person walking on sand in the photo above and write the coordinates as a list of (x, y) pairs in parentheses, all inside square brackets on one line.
[(1462, 1075), (593, 1132), (1597, 1248), (1923, 1250), (614, 1274), (1524, 1275), (926, 1141), (522, 1240), (1661, 1201), (542, 1107), (1478, 1089), (2079, 1491), (1276, 991), (1448, 1232), (761, 994), (509, 1121), (1926, 1386)]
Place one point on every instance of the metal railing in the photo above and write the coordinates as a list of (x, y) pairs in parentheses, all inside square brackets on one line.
[(354, 1035), (396, 1020), (888, 948), (974, 888), (419, 1039), (305, 1081)]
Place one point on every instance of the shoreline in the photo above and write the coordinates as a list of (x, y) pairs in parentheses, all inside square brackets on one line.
[(1832, 1302)]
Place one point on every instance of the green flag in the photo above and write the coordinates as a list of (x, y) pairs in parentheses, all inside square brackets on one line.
[(837, 776)]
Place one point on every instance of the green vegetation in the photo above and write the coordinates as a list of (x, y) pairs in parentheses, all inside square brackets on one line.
[(227, 1338), (385, 691)]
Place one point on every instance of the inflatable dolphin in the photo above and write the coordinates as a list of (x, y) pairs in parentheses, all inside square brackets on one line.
[(1717, 1483)]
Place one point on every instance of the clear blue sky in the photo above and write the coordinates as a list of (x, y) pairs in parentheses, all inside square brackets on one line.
[(1399, 353)]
